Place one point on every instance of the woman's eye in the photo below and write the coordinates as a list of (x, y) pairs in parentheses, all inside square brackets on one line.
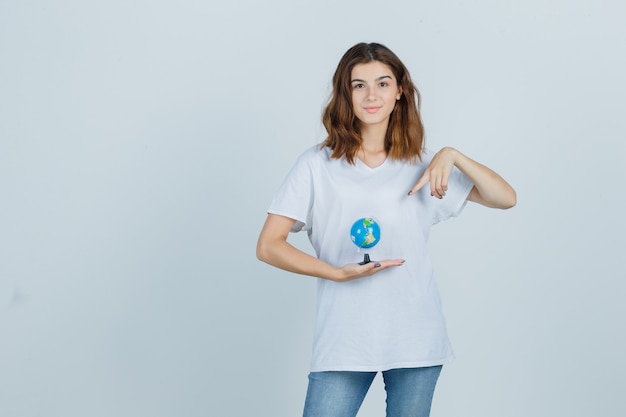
[(357, 86), (384, 84)]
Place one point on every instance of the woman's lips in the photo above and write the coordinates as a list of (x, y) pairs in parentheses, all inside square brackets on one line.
[(372, 109)]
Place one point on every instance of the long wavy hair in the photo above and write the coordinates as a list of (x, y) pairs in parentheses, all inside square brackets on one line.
[(405, 133)]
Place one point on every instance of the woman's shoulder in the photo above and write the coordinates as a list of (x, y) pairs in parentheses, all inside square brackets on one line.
[(315, 154)]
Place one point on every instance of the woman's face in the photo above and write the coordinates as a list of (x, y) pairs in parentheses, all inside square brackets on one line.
[(374, 93)]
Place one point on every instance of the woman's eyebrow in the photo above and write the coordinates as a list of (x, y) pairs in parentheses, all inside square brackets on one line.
[(382, 77)]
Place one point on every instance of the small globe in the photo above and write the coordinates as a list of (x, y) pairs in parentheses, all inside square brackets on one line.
[(365, 232)]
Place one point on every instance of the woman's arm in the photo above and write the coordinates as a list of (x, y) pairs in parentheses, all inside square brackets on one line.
[(489, 189), (273, 248)]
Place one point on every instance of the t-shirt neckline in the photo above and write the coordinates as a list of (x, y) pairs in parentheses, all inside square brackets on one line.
[(369, 168)]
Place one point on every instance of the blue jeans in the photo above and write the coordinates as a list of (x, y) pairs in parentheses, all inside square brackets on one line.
[(340, 393)]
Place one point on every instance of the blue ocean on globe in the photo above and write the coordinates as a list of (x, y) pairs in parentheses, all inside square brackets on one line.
[(365, 232)]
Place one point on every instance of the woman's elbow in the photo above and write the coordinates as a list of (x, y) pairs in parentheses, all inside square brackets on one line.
[(266, 250), (510, 201), (261, 250)]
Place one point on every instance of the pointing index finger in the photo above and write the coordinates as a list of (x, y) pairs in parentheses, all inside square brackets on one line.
[(420, 183)]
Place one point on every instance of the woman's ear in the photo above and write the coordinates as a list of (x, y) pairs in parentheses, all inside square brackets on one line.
[(399, 93)]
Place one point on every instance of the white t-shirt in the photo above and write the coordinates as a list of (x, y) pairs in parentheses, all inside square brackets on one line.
[(392, 319)]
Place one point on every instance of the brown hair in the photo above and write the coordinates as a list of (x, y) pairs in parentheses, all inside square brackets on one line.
[(405, 134)]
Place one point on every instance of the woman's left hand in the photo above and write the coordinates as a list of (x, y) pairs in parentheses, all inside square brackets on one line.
[(490, 189), (437, 173)]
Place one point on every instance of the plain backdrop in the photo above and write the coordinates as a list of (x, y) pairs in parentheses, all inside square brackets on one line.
[(141, 143)]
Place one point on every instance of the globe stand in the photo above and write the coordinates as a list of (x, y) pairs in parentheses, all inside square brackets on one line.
[(366, 259)]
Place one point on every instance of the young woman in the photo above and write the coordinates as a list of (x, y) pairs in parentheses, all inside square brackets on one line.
[(384, 315)]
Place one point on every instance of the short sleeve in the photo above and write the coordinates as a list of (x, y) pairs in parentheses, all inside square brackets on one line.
[(294, 198), (451, 205)]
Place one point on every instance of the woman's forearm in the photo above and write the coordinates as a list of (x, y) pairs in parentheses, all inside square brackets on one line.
[(492, 189), (283, 255)]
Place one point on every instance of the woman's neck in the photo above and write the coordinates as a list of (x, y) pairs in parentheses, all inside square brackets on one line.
[(372, 151), (373, 138)]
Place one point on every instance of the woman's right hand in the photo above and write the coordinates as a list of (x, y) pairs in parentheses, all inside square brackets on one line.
[(354, 271)]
